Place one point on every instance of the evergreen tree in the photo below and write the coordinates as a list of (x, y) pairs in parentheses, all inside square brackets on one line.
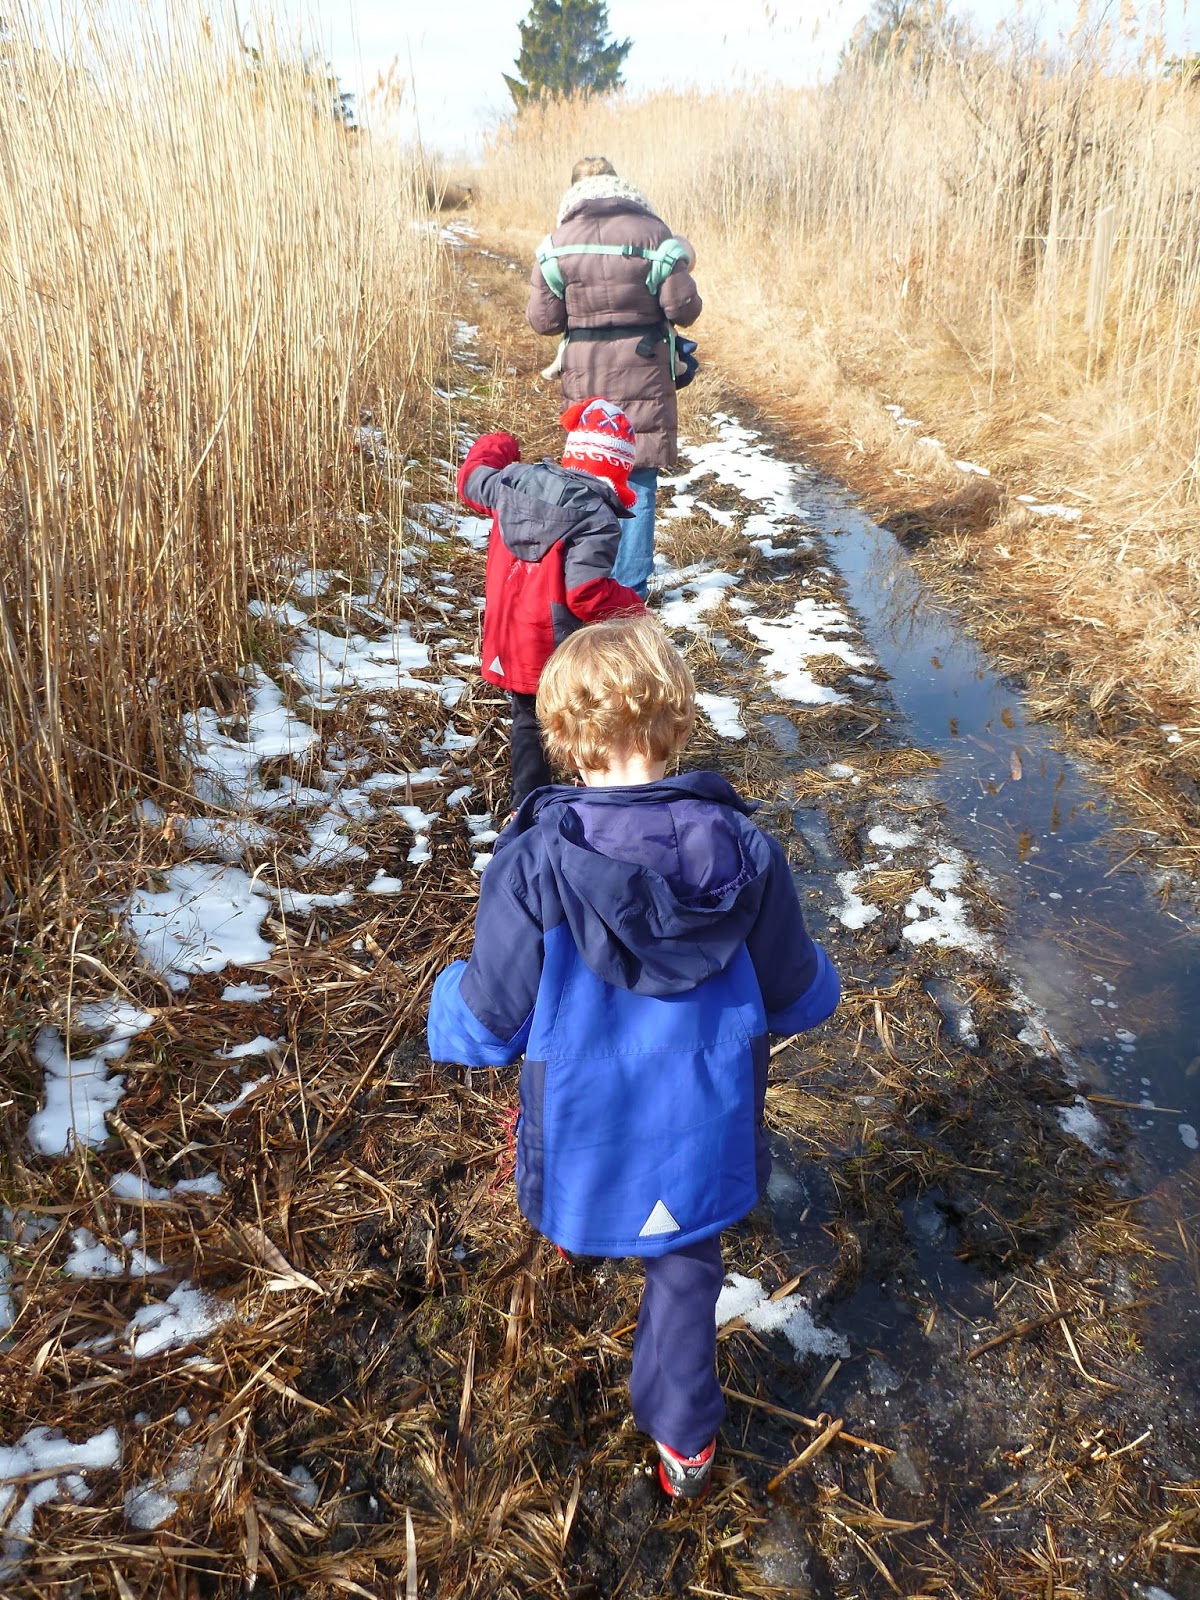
[(566, 50)]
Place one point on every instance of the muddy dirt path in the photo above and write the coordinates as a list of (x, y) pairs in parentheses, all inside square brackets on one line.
[(985, 1175), (276, 1298)]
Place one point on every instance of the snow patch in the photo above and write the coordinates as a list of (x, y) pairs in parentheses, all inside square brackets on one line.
[(206, 918), (789, 1316), (723, 711), (187, 1316), (810, 632), (42, 1454)]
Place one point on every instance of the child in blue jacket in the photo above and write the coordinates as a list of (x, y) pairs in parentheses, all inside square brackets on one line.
[(637, 941)]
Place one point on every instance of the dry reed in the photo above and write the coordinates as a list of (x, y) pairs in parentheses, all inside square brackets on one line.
[(1008, 246), (204, 274)]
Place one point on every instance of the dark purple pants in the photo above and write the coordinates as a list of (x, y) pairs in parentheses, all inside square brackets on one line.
[(527, 755), (673, 1385)]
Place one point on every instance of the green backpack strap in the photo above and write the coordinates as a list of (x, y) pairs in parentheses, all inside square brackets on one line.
[(662, 260)]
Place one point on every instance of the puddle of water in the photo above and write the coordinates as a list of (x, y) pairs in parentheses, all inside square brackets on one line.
[(1115, 974)]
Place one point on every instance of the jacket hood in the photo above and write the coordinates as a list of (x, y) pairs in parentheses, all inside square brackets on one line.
[(660, 882), (602, 187)]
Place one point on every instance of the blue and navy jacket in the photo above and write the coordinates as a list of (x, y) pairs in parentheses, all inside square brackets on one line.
[(638, 945)]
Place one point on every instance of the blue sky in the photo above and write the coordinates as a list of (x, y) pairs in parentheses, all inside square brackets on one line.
[(453, 53)]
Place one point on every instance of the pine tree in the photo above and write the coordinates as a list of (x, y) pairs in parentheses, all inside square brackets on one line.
[(566, 50)]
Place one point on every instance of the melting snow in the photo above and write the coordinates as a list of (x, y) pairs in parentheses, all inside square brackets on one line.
[(746, 1298), (45, 1451), (1082, 1123), (78, 1091), (90, 1259), (129, 1186), (330, 663), (947, 924), (722, 710), (246, 991), (206, 918), (854, 912), (185, 1317), (808, 633)]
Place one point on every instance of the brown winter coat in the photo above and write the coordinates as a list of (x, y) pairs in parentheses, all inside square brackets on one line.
[(607, 291)]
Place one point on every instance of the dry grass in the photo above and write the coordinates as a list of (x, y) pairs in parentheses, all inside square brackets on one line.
[(203, 278), (437, 1369), (1009, 251)]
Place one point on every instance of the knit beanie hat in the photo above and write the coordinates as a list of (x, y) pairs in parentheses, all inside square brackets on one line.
[(600, 440)]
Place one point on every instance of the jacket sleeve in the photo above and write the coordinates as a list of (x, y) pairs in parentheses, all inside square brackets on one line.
[(679, 298), (487, 456), (592, 592), (481, 1009), (799, 984), (545, 313)]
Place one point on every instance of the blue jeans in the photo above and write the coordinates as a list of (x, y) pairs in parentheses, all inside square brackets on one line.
[(673, 1385), (635, 557)]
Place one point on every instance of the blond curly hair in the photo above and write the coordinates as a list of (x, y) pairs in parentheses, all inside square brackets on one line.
[(614, 689)]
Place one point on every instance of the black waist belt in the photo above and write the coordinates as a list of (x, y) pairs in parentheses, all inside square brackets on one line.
[(648, 335)]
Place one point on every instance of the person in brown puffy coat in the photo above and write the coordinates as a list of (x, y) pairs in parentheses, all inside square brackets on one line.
[(616, 332)]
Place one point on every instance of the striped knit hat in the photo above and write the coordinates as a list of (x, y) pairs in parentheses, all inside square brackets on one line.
[(600, 440)]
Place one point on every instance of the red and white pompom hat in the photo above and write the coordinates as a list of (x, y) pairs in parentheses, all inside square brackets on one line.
[(601, 440)]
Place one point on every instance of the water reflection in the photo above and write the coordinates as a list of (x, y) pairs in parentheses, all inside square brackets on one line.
[(1116, 974)]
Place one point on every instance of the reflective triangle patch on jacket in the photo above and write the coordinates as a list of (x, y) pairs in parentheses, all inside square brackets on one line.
[(496, 667), (659, 1221)]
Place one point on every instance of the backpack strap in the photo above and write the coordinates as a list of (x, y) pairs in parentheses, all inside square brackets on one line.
[(663, 260)]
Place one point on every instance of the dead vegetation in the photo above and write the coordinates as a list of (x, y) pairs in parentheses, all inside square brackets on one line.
[(1014, 291), (456, 1392)]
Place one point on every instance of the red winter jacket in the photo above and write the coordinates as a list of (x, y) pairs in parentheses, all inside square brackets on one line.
[(550, 557)]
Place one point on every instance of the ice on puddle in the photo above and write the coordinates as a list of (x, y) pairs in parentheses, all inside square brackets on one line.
[(1082, 1123), (810, 632), (746, 1298), (42, 1453), (186, 1316), (722, 710), (78, 1092)]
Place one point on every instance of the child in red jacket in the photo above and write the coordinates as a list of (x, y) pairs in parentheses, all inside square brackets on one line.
[(555, 533)]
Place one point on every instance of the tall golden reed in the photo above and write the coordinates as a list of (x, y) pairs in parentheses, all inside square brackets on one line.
[(1024, 232), (203, 276)]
